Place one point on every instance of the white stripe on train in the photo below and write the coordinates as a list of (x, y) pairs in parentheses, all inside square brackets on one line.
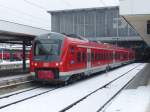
[(91, 70)]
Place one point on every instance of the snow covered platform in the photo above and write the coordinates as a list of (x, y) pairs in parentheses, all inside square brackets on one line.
[(135, 98), (14, 80), (8, 68), (131, 100), (5, 65)]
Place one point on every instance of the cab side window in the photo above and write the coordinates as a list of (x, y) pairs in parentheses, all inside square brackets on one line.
[(79, 57), (83, 57), (72, 50)]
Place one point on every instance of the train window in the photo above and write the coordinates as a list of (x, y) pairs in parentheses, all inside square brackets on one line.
[(96, 56), (102, 56), (119, 56), (105, 56), (92, 56), (111, 55), (99, 56), (72, 50), (47, 47), (125, 56), (83, 57), (79, 57)]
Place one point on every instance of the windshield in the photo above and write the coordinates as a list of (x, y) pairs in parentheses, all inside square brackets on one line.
[(47, 47)]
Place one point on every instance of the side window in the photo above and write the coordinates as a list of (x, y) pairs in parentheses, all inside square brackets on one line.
[(72, 50), (104, 56), (111, 56), (72, 61), (96, 56), (92, 56), (117, 56), (79, 57), (99, 56), (83, 57)]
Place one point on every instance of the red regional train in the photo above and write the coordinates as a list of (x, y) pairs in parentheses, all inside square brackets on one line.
[(16, 55), (58, 57)]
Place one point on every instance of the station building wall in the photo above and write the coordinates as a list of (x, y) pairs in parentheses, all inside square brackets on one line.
[(92, 23)]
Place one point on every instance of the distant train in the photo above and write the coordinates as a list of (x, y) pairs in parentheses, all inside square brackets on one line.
[(58, 57), (12, 55)]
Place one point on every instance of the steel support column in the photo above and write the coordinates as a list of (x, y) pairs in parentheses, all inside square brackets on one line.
[(24, 56)]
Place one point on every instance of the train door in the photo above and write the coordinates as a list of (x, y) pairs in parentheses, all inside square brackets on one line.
[(88, 59)]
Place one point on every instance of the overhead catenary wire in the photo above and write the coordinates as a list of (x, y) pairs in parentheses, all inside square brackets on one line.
[(21, 12), (102, 1), (66, 2), (28, 17), (43, 8), (36, 5)]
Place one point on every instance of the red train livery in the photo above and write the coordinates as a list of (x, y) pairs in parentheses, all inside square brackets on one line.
[(57, 57), (15, 56)]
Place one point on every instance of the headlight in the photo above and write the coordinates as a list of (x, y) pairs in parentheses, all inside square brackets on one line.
[(57, 64), (35, 64)]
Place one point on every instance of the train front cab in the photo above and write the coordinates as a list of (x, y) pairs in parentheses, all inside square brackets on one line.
[(45, 58)]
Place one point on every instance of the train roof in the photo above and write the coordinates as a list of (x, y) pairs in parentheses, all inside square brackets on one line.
[(77, 39), (53, 34)]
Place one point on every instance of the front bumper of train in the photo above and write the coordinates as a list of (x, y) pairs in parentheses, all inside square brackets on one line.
[(59, 79)]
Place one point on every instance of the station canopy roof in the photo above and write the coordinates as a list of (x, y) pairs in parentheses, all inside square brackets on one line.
[(10, 31), (56, 5)]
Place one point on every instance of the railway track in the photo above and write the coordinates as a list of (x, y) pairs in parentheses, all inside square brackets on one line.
[(19, 92), (104, 95), (31, 94), (22, 96), (100, 88)]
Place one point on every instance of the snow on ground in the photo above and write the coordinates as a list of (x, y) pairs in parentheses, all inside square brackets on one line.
[(56, 100), (21, 96), (12, 62), (15, 92), (7, 78), (98, 99), (131, 100)]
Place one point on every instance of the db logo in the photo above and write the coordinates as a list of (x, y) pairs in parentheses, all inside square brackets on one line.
[(45, 64)]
